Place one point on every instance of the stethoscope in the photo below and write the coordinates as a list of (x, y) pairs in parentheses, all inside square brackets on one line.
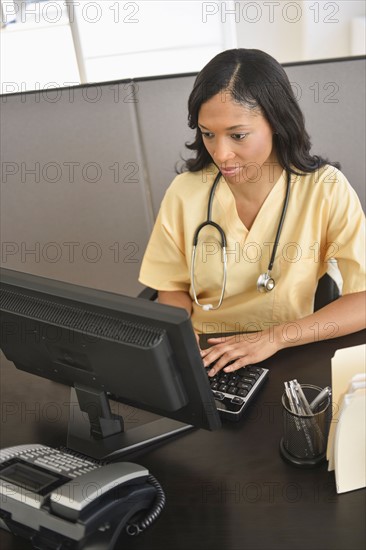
[(265, 282)]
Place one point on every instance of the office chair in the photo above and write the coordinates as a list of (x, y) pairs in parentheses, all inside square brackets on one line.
[(148, 294), (327, 291)]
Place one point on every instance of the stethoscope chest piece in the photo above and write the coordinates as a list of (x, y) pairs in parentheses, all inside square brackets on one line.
[(265, 282)]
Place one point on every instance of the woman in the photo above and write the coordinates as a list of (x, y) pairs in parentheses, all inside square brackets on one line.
[(250, 129)]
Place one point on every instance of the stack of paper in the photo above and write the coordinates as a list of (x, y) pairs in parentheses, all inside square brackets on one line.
[(346, 451)]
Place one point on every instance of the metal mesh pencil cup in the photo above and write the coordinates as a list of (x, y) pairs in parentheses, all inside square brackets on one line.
[(304, 442)]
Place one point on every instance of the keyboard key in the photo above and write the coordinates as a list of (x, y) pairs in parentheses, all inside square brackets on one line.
[(48, 466), (246, 380), (237, 400), (219, 396), (257, 370), (243, 386), (252, 375)]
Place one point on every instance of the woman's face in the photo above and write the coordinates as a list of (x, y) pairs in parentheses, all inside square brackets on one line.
[(239, 139)]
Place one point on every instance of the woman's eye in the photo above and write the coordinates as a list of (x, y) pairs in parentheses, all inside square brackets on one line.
[(210, 135)]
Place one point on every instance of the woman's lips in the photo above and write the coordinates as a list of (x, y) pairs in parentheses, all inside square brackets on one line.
[(230, 171)]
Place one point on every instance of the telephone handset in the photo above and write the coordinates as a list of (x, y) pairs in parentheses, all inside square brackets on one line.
[(71, 500), (56, 493)]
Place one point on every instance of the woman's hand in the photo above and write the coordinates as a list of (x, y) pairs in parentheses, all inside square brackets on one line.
[(243, 349)]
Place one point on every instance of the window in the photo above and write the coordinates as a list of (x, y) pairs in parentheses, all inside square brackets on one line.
[(44, 12), (37, 50)]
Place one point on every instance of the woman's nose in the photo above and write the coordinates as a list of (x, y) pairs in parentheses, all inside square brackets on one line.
[(223, 153)]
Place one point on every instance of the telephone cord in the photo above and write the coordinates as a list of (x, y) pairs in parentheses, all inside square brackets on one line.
[(134, 529)]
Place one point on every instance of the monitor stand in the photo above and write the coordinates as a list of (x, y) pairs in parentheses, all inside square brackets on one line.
[(101, 434)]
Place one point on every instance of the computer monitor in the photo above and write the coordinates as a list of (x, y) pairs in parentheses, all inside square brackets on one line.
[(107, 346)]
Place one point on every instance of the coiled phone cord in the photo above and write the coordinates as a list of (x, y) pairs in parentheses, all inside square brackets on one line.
[(134, 529)]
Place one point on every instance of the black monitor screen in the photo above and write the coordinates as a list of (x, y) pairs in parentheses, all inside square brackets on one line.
[(107, 346)]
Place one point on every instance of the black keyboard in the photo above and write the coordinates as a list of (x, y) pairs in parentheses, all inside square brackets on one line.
[(235, 390)]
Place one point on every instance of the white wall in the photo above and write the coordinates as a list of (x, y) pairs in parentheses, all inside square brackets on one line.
[(327, 29), (358, 35), (302, 30), (275, 27)]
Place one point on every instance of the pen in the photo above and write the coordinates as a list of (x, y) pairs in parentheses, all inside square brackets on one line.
[(300, 410), (291, 404), (322, 396), (315, 429), (306, 409)]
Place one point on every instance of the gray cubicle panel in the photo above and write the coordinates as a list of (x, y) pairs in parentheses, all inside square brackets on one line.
[(331, 94), (74, 205), (163, 121)]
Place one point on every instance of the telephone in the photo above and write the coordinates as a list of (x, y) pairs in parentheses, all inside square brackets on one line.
[(50, 495)]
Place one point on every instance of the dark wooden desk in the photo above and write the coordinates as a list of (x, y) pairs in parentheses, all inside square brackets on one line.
[(228, 489)]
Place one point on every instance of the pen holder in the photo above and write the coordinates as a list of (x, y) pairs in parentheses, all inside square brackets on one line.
[(304, 442)]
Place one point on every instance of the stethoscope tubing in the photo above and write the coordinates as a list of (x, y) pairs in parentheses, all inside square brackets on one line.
[(211, 223)]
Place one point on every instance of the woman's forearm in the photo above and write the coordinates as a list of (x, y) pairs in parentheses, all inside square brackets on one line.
[(177, 298), (341, 317)]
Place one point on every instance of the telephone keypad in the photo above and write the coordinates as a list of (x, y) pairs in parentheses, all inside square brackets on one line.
[(62, 462)]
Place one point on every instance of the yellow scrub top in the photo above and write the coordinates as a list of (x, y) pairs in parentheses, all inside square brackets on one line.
[(324, 220)]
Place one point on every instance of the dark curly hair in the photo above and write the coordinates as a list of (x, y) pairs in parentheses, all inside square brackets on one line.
[(256, 80)]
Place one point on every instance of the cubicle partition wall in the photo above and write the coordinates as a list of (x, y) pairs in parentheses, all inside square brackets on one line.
[(75, 204), (84, 169)]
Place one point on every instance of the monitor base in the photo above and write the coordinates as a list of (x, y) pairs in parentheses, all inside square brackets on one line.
[(125, 443)]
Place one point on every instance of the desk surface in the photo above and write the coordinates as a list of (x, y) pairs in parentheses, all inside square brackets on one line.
[(228, 489)]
